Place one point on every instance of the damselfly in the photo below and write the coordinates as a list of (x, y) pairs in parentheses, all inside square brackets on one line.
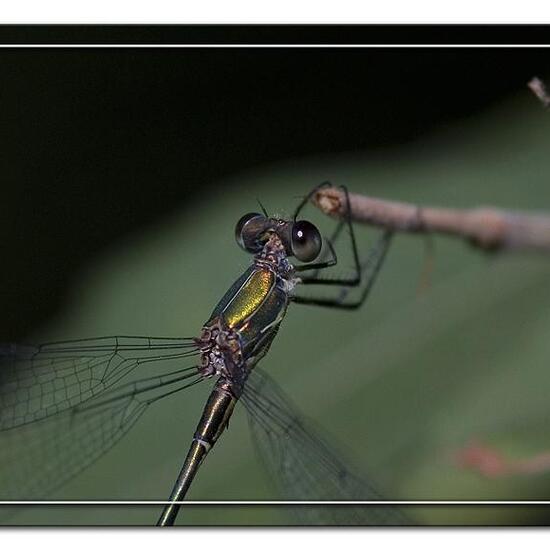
[(69, 402)]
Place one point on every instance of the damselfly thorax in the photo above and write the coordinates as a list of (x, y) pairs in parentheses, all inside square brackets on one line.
[(245, 321)]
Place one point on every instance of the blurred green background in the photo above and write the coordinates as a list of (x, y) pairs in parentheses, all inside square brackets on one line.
[(423, 369)]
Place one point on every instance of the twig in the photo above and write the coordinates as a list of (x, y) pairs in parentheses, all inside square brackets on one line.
[(536, 85), (487, 228)]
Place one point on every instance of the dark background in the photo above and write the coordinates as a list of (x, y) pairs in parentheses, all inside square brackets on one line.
[(98, 142)]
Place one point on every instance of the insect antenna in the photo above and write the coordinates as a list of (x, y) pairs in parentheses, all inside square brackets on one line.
[(264, 211)]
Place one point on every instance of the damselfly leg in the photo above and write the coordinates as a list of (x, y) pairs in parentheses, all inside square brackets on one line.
[(365, 272)]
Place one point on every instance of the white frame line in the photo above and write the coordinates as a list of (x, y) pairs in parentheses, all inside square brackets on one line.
[(276, 502)]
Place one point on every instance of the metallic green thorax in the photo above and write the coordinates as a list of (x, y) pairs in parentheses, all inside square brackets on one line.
[(253, 311), (245, 321)]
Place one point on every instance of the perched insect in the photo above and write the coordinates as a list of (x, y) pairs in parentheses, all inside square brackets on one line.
[(66, 400)]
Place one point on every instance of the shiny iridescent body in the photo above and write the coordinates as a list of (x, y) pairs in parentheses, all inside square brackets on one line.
[(246, 320), (237, 335)]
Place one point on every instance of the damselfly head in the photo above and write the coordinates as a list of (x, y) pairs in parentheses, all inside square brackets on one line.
[(299, 237)]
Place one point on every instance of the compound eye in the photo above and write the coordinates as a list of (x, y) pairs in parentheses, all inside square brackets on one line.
[(306, 241), (248, 230)]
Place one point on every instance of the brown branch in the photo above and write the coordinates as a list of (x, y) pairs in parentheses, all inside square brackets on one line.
[(487, 228)]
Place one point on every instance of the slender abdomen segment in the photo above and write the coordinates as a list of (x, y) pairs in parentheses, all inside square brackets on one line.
[(215, 417)]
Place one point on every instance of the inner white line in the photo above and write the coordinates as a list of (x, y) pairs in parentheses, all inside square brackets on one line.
[(283, 502)]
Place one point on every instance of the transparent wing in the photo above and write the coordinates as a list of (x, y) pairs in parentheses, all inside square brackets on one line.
[(37, 458), (304, 465), (38, 382)]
